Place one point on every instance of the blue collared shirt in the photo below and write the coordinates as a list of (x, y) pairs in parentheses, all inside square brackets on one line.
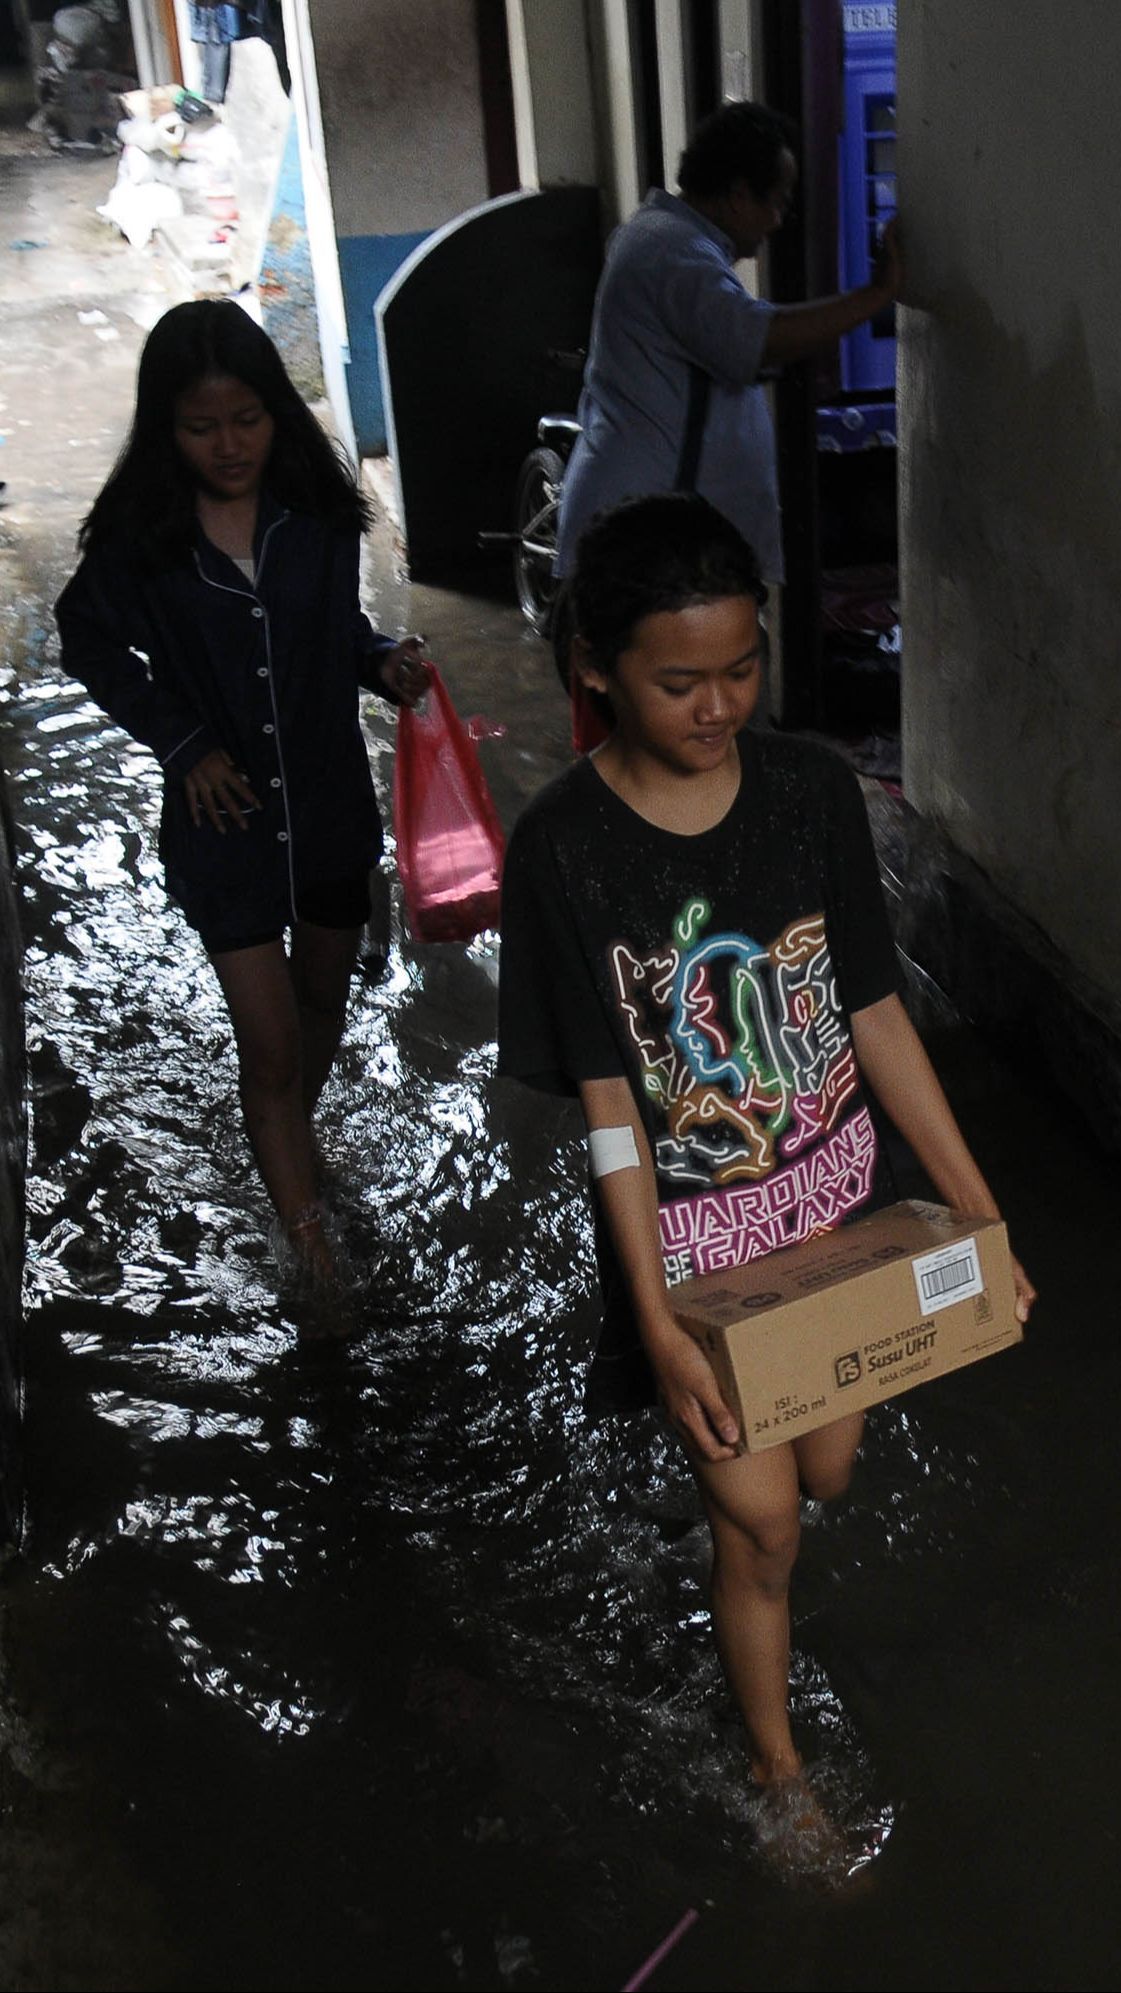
[(669, 298)]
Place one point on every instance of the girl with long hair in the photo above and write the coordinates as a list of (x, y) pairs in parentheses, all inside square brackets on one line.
[(215, 617)]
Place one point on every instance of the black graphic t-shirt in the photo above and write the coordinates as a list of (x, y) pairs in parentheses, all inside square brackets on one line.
[(718, 974)]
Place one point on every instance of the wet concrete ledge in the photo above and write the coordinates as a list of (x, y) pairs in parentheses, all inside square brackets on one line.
[(1000, 971), (13, 1160)]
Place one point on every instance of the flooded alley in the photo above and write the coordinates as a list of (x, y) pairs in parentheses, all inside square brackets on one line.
[(379, 1667)]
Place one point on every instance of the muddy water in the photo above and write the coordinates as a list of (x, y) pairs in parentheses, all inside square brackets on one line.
[(379, 1668), (13, 1150), (405, 1573)]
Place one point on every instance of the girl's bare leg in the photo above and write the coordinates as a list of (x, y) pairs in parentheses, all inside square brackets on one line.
[(323, 961), (825, 1458), (752, 1507), (258, 987)]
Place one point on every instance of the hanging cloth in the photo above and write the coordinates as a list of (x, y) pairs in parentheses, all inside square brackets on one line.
[(224, 21)]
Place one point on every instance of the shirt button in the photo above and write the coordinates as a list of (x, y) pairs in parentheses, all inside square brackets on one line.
[(275, 783), (258, 611), (269, 729), (262, 671), (282, 837)]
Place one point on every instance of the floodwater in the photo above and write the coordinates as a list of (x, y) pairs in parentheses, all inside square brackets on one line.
[(407, 1621), (376, 1667)]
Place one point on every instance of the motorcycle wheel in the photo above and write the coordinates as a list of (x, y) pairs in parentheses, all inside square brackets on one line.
[(535, 519)]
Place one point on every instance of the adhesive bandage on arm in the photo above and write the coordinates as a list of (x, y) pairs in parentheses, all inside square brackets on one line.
[(612, 1149)]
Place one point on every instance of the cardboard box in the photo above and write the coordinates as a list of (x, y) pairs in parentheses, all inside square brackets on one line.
[(805, 1335)]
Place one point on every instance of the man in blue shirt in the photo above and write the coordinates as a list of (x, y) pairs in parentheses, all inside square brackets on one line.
[(671, 316)]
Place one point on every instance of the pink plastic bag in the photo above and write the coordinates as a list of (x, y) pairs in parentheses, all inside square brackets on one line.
[(450, 845)]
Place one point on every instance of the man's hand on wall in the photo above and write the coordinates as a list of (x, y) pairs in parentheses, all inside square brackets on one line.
[(888, 273)]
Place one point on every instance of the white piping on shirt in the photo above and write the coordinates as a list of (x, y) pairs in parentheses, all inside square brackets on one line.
[(253, 596), (183, 743)]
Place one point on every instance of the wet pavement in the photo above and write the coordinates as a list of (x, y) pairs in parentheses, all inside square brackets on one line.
[(381, 1669)]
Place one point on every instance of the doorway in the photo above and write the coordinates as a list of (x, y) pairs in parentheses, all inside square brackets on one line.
[(832, 69)]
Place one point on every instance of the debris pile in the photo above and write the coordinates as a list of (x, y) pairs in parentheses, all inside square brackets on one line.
[(83, 60), (178, 165)]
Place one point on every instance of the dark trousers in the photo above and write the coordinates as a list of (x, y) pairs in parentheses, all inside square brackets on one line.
[(216, 57), (215, 70)]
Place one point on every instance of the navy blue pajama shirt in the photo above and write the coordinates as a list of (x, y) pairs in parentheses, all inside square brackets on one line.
[(192, 657)]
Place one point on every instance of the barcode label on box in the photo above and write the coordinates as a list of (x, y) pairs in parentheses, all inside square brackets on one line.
[(948, 1275)]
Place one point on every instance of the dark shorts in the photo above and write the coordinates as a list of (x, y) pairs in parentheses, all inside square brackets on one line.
[(337, 903)]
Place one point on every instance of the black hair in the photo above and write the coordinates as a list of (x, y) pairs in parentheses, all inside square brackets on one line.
[(149, 496), (737, 142), (652, 554)]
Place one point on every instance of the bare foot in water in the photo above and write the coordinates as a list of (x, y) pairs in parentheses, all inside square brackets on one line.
[(323, 1304), (799, 1841)]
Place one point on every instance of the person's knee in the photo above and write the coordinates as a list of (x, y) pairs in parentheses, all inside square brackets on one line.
[(322, 997), (323, 1008), (269, 1066), (761, 1556), (776, 1556)]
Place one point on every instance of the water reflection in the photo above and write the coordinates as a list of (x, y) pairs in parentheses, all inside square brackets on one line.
[(413, 1546)]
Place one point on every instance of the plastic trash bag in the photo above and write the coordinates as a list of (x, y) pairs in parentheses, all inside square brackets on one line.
[(450, 845), (138, 210)]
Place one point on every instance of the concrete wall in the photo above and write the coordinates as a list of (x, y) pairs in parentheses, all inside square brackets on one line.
[(403, 149), (553, 111), (399, 95), (323, 250), (286, 282), (1010, 395)]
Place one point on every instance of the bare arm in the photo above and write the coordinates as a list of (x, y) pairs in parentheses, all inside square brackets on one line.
[(629, 1201), (892, 1058), (797, 330)]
